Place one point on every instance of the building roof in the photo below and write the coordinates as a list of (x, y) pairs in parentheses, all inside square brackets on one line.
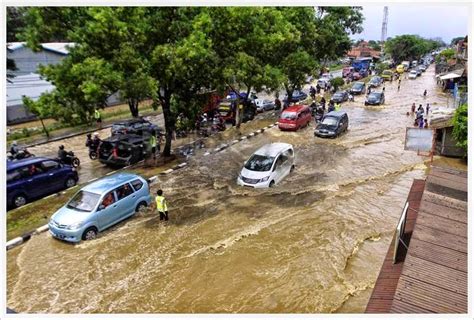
[(30, 85), (57, 47)]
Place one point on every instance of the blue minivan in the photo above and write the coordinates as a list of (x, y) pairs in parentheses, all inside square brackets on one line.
[(36, 177), (100, 205)]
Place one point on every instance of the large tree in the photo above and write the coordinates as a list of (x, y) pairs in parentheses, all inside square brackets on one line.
[(409, 47)]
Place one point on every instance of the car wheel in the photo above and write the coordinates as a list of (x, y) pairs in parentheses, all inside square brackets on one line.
[(292, 168), (90, 233), (272, 184), (70, 182), (141, 207), (76, 162), (19, 200)]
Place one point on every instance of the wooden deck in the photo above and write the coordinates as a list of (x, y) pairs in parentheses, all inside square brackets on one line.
[(386, 284), (433, 276)]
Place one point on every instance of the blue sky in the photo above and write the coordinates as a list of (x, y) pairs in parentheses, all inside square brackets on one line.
[(428, 21)]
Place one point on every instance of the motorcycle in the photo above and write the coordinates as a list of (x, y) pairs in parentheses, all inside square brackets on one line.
[(21, 154), (217, 127), (71, 160), (93, 154)]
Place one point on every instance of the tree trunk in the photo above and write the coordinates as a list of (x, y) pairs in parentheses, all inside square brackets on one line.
[(133, 106), (44, 128), (169, 122)]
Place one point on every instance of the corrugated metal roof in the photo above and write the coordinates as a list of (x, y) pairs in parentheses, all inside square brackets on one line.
[(58, 47), (30, 85)]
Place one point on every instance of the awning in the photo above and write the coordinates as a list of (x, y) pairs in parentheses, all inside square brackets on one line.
[(450, 76)]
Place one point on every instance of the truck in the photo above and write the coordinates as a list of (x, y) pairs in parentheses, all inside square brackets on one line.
[(406, 65)]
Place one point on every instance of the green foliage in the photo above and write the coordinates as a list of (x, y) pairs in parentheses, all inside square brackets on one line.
[(461, 126), (374, 45), (409, 47), (456, 40), (447, 54), (380, 67), (337, 82)]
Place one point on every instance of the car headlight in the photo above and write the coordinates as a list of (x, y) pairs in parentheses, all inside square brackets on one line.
[(74, 226), (264, 179)]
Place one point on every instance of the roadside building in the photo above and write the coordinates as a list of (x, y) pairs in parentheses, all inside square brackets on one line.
[(27, 61), (363, 51)]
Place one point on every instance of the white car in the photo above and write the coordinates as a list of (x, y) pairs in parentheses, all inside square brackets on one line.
[(267, 166), (323, 82), (413, 74)]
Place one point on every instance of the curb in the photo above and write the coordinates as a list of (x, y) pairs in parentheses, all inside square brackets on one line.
[(151, 181)]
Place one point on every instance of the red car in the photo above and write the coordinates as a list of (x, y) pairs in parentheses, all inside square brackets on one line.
[(294, 117)]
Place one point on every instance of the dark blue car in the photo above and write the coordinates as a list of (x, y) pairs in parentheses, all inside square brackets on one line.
[(36, 177)]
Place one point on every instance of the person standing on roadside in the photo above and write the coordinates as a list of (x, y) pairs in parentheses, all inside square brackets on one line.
[(413, 107), (161, 205), (277, 103), (153, 143), (98, 118), (425, 93), (427, 108)]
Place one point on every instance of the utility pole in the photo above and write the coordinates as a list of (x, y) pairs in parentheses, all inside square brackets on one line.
[(384, 27)]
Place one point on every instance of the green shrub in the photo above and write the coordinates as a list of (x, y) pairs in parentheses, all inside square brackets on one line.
[(460, 127), (337, 82)]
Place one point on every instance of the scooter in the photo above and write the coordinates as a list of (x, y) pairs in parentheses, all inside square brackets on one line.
[(21, 154), (71, 160)]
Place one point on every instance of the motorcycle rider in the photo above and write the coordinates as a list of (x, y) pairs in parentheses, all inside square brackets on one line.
[(331, 106), (14, 149), (313, 107), (62, 154)]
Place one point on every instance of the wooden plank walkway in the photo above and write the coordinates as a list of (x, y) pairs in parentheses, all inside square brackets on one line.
[(433, 278), (386, 284)]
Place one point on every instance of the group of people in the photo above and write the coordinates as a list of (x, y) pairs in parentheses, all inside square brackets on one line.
[(421, 118)]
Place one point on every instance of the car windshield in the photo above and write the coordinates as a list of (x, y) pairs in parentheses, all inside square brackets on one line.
[(358, 85), (374, 95), (259, 163), (84, 201), (413, 71), (338, 94), (288, 115), (387, 72), (330, 121)]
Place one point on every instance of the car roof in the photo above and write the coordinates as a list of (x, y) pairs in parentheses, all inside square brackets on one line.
[(121, 137), (339, 92), (12, 165), (336, 114), (108, 183), (131, 121), (273, 149), (358, 82), (295, 108), (376, 92)]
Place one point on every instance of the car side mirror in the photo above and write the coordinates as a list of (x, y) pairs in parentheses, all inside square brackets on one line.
[(101, 207)]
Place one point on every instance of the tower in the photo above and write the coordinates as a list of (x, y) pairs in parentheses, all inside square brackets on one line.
[(384, 25)]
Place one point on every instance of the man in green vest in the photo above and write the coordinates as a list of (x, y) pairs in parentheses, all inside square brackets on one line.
[(153, 144), (161, 205), (337, 106), (98, 118)]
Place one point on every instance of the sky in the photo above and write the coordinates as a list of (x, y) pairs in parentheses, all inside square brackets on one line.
[(427, 21)]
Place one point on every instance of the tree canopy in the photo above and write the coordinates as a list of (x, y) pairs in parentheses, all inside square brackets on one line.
[(409, 47), (172, 54)]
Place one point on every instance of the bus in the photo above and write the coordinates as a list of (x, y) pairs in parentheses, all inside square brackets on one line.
[(361, 63)]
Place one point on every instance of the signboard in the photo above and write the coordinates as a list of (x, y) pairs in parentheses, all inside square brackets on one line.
[(400, 232), (419, 139)]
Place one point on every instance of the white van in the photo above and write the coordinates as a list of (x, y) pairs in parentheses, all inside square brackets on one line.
[(267, 166), (414, 63)]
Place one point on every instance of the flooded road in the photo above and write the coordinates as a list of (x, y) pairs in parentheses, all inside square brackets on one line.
[(313, 244)]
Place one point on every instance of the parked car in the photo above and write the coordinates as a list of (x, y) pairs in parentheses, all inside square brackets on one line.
[(413, 74), (122, 150), (387, 75), (296, 97), (99, 205), (422, 67), (358, 88), (347, 71), (340, 96), (323, 83), (375, 98), (418, 71), (414, 63), (134, 126), (264, 105), (362, 73), (267, 166), (37, 177), (400, 69), (294, 117), (375, 81), (333, 124)]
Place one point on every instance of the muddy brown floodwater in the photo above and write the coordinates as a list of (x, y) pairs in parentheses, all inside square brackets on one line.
[(314, 243)]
